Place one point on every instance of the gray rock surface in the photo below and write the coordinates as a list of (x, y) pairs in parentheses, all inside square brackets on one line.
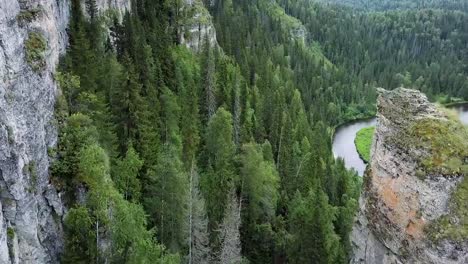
[(199, 28), (31, 209), (396, 205)]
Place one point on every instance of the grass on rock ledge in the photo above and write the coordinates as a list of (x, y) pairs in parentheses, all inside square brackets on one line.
[(446, 142)]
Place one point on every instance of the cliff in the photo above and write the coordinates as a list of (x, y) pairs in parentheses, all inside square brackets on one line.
[(198, 28), (32, 37), (413, 205)]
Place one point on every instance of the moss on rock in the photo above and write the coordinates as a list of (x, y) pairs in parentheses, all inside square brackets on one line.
[(446, 142), (36, 46)]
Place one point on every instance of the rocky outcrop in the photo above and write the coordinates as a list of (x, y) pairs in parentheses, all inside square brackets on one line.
[(31, 210), (400, 201), (198, 28)]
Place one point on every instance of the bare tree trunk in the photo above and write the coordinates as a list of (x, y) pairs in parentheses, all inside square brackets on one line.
[(97, 240), (236, 115), (191, 212), (230, 235), (279, 148)]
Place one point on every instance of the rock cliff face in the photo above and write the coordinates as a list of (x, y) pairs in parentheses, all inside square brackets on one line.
[(31, 210), (199, 28), (399, 201)]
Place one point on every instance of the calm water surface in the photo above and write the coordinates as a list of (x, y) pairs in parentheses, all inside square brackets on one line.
[(343, 142)]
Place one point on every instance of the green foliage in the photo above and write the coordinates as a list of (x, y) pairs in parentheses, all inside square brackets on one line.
[(125, 175), (288, 22), (381, 5), (35, 47), (196, 14), (445, 142), (165, 199), (69, 85), (140, 115), (132, 241), (363, 142), (10, 244), (312, 230), (80, 243), (31, 170), (220, 176), (261, 182), (10, 233)]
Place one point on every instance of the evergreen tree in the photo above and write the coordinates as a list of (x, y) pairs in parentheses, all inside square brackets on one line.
[(125, 175), (311, 227), (166, 199), (209, 80), (220, 176), (80, 239), (128, 104)]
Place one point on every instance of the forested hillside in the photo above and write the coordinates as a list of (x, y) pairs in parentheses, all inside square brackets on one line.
[(177, 156), (425, 49), (223, 155), (381, 5)]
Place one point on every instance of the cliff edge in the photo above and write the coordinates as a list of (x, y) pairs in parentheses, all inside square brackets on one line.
[(413, 205)]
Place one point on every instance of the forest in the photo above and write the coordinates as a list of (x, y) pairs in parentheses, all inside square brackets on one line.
[(224, 155), (381, 5)]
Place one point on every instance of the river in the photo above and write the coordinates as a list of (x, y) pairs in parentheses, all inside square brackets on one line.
[(343, 141)]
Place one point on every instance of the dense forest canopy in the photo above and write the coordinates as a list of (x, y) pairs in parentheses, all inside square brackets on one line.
[(224, 155), (381, 5)]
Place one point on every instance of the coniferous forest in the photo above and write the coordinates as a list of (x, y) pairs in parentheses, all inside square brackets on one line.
[(223, 155)]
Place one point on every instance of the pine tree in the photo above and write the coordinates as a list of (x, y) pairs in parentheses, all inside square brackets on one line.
[(312, 231), (125, 175), (80, 238), (128, 104), (220, 175), (166, 198), (209, 80)]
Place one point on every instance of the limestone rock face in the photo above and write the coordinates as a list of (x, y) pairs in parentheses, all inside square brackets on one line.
[(31, 210), (396, 205), (199, 27)]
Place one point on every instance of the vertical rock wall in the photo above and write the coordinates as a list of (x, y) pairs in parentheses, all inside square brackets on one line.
[(397, 205)]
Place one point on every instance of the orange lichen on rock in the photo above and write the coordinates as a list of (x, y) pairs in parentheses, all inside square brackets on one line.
[(415, 227)]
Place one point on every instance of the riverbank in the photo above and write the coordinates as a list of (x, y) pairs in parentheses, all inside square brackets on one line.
[(361, 118), (454, 104)]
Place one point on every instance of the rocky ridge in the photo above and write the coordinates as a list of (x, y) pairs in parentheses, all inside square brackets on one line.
[(399, 200), (198, 28)]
